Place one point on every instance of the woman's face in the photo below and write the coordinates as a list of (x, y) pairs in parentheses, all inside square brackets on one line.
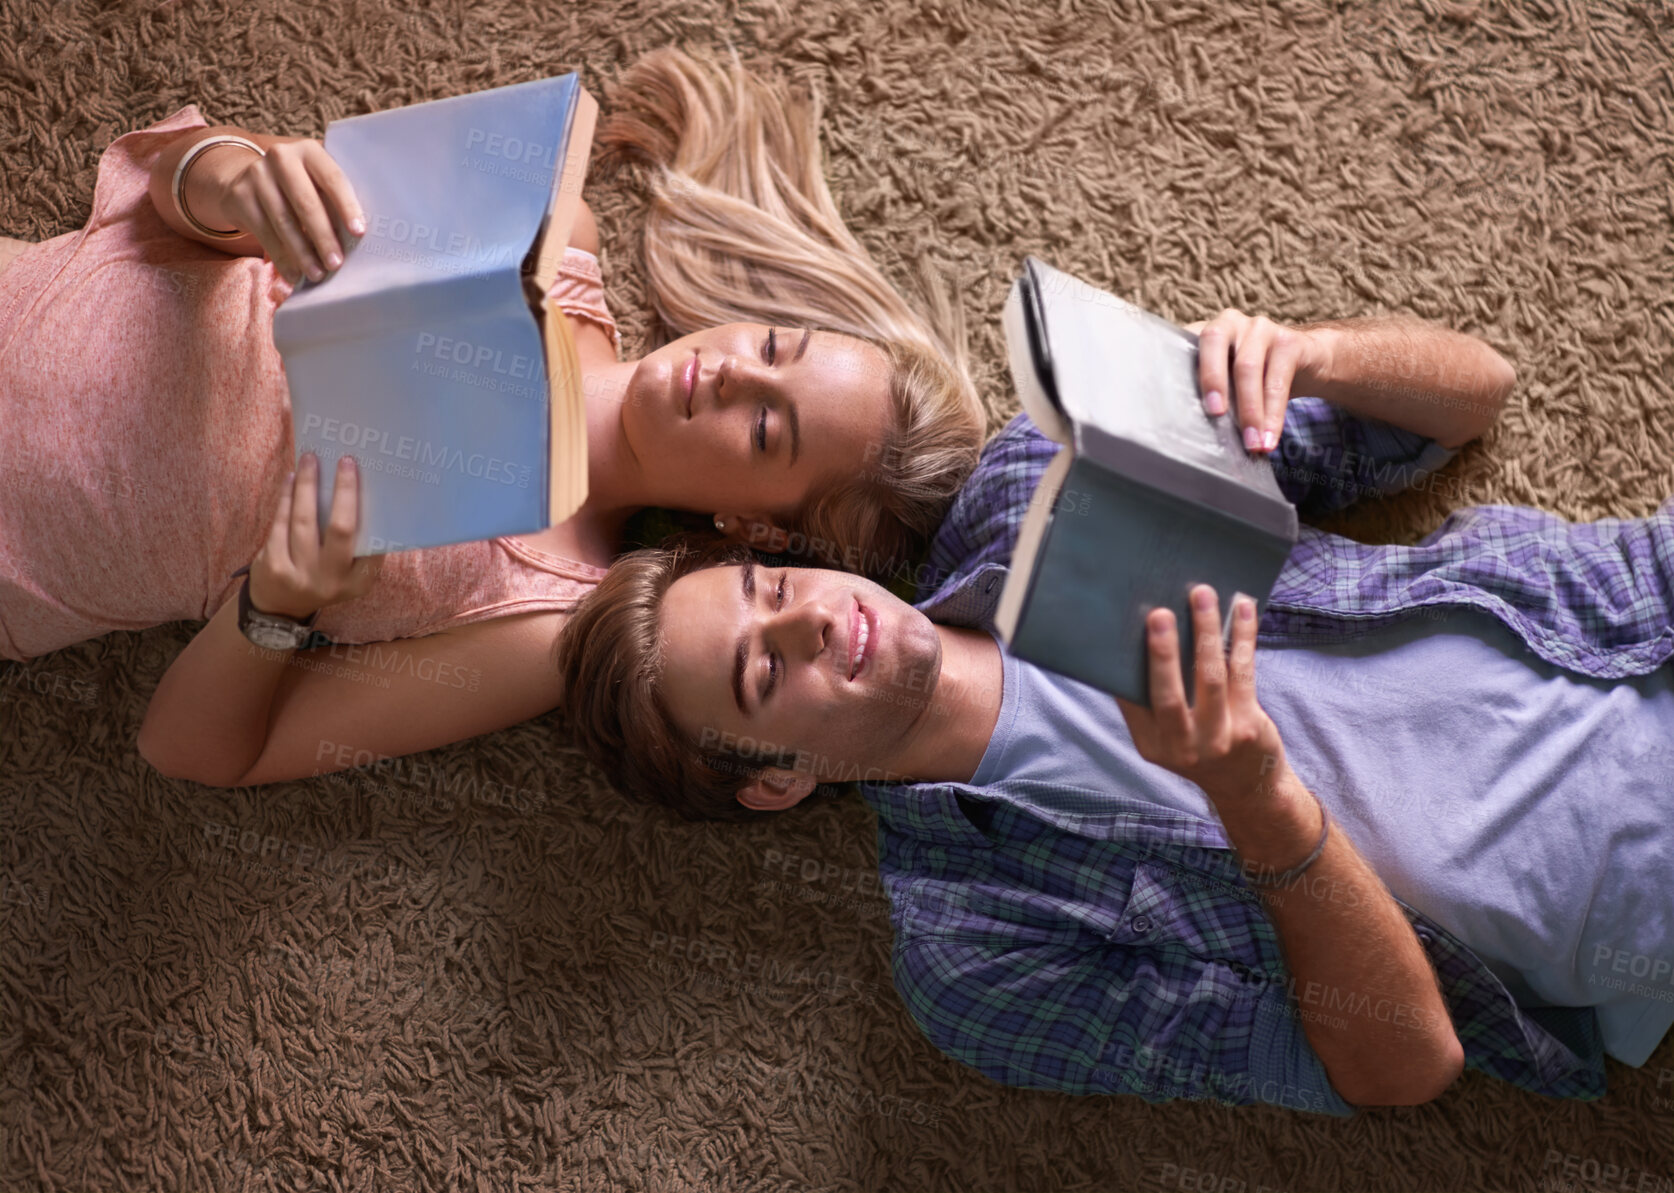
[(749, 417)]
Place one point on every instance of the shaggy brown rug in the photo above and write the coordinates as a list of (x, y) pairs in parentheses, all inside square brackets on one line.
[(481, 970)]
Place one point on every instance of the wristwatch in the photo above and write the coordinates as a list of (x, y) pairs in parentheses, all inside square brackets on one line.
[(271, 631)]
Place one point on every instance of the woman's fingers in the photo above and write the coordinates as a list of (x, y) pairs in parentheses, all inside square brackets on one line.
[(285, 242), (318, 240), (337, 552), (278, 547), (305, 517), (331, 180)]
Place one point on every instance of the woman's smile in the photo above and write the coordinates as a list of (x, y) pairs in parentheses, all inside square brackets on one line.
[(688, 381)]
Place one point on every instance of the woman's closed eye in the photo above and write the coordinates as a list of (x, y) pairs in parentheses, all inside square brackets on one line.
[(769, 353)]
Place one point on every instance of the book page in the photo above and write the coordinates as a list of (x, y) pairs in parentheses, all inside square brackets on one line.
[(1021, 573), (1025, 378)]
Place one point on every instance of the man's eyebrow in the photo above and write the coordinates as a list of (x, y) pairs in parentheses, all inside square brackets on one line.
[(742, 653)]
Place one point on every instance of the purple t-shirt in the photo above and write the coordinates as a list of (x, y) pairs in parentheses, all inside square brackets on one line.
[(1525, 808)]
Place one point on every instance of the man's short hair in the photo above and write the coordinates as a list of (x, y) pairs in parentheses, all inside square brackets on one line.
[(610, 660)]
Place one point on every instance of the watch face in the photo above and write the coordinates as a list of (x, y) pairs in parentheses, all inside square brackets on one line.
[(270, 636)]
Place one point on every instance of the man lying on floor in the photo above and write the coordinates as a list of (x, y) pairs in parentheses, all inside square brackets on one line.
[(1446, 842)]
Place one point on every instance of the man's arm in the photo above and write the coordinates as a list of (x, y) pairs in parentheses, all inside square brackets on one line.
[(1383, 1031), (1412, 374), (1366, 992)]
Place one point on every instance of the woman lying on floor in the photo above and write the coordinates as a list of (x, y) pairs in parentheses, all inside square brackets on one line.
[(138, 355)]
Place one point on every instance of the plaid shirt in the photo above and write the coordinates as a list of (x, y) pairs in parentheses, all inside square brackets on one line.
[(1094, 942)]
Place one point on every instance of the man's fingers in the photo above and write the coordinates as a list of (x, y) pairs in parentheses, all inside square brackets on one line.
[(1282, 360), (1241, 679), (1249, 370), (1168, 692), (1209, 709), (1212, 347)]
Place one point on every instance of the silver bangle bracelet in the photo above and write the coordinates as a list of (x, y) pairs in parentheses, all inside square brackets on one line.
[(180, 176), (1287, 876)]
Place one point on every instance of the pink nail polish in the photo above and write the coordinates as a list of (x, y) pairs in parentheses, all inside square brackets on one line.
[(1252, 437), (1269, 441)]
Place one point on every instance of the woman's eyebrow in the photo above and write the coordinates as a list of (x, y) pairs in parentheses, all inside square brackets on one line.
[(803, 346)]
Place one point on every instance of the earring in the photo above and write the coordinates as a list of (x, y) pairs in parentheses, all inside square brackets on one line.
[(720, 524)]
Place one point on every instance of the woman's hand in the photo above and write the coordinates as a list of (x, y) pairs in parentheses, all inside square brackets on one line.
[(296, 574), (1271, 363), (1226, 744), (281, 199)]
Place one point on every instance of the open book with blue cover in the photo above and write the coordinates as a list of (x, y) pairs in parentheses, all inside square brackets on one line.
[(431, 355), (1148, 496)]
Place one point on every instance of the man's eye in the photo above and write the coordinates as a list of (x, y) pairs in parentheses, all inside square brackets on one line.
[(772, 675), (761, 429), (772, 344), (781, 590)]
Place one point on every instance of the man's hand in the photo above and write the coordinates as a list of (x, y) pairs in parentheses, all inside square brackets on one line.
[(1270, 362), (1226, 743)]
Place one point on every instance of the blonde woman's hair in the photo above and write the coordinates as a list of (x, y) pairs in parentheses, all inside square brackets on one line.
[(742, 228)]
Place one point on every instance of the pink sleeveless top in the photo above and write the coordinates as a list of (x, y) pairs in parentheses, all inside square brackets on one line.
[(145, 433)]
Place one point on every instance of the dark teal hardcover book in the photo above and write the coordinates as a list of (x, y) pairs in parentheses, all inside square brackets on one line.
[(1148, 496)]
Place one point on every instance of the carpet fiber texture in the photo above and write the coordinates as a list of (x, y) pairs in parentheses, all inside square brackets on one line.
[(480, 970)]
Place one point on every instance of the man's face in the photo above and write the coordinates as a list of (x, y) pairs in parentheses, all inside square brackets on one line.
[(818, 671)]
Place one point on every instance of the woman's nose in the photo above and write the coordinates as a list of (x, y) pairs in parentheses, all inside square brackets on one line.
[(737, 379)]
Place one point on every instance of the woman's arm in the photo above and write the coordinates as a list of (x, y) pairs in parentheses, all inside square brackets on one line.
[(292, 202), (585, 234), (1412, 374), (228, 713), (205, 183)]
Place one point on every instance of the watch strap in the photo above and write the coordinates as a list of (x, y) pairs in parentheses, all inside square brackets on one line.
[(245, 608)]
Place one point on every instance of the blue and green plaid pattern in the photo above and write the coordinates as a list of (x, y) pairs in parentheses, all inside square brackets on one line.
[(1093, 942)]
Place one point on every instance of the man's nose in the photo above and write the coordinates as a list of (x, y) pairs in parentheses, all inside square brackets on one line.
[(805, 629)]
